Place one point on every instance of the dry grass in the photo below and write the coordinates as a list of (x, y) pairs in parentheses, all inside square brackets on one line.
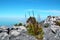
[(57, 23)]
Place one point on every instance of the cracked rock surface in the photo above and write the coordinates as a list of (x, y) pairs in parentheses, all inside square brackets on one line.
[(52, 32), (15, 34)]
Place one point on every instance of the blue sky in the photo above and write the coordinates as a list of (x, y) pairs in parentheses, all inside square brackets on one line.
[(16, 9)]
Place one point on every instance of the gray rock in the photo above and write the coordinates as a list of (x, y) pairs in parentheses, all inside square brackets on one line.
[(53, 31), (16, 34)]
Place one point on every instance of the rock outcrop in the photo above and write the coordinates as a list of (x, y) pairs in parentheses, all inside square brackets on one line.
[(52, 31), (15, 33)]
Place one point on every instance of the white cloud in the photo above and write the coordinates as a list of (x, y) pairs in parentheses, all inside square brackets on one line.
[(51, 11)]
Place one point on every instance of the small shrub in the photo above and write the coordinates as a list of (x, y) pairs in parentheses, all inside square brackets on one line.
[(34, 28), (35, 31), (57, 23), (20, 24), (46, 25)]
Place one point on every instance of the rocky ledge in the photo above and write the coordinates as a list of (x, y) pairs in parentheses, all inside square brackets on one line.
[(15, 33), (51, 27)]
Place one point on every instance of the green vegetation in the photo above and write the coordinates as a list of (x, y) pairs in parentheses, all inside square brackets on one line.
[(20, 24), (35, 29), (46, 25), (57, 23)]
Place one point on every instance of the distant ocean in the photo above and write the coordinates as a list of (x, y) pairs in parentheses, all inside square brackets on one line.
[(10, 22)]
